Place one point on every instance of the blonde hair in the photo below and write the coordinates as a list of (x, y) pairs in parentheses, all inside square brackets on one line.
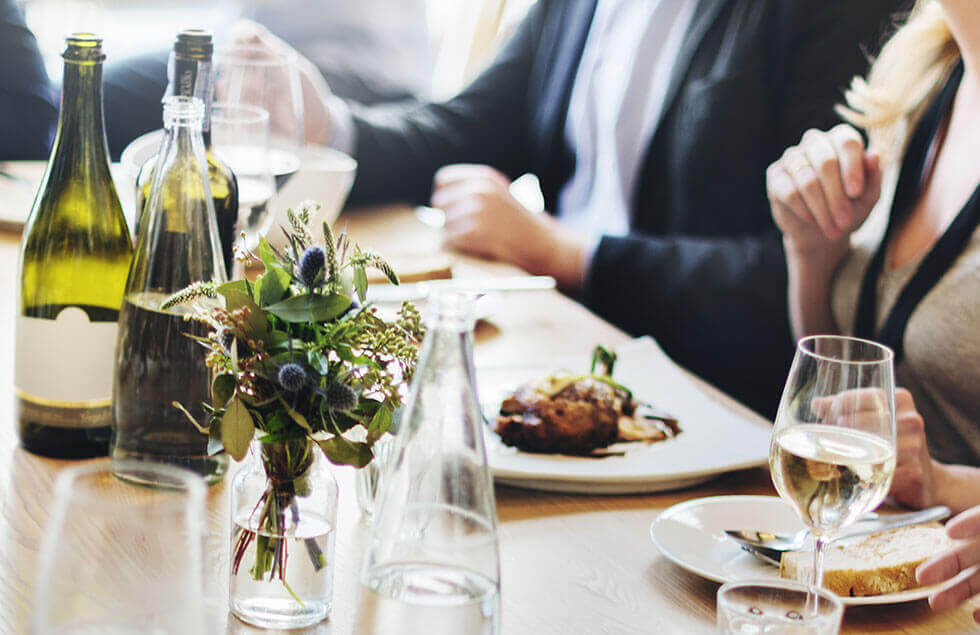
[(910, 70)]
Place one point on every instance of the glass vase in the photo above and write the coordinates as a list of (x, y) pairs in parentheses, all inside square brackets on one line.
[(283, 510)]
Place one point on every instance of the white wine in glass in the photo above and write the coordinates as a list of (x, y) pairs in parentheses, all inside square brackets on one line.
[(832, 454)]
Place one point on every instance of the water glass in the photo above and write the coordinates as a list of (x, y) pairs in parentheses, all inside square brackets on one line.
[(240, 135), (777, 607), (121, 558), (367, 480)]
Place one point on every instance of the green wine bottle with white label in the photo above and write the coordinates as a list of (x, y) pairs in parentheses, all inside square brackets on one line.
[(75, 255)]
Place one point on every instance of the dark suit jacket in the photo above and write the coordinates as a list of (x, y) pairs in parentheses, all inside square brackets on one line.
[(28, 110), (703, 269)]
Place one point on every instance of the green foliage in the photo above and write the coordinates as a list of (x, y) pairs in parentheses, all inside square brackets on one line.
[(337, 341)]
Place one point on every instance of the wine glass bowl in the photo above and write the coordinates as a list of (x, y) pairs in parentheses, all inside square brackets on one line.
[(832, 454), (255, 75)]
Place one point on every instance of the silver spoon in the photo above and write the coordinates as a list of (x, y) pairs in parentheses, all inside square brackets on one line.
[(770, 547)]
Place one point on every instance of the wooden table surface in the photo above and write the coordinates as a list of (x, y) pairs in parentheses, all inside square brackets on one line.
[(570, 564)]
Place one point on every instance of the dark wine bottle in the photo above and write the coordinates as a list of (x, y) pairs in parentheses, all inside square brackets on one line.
[(75, 253), (192, 75), (157, 362)]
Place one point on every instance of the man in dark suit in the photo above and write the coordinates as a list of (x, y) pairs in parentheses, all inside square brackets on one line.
[(28, 110), (650, 124)]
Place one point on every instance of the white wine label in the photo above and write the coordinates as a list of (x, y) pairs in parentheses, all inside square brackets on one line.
[(67, 361)]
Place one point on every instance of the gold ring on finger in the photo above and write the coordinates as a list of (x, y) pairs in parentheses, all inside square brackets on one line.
[(798, 164)]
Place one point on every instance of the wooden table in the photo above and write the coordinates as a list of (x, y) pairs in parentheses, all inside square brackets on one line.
[(570, 564)]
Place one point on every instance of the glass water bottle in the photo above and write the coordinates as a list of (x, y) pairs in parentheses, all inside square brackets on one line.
[(75, 253), (157, 362), (432, 564)]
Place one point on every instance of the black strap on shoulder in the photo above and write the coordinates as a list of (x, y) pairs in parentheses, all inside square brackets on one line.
[(942, 255)]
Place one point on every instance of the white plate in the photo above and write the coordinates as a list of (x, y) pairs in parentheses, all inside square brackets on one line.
[(691, 535), (714, 438)]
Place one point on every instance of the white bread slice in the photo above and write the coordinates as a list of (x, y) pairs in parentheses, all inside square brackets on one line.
[(880, 563)]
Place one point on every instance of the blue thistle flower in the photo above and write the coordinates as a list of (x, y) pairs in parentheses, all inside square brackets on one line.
[(311, 265), (292, 377), (339, 396)]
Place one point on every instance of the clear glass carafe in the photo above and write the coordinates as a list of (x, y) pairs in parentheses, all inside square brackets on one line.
[(433, 564), (290, 521), (158, 363)]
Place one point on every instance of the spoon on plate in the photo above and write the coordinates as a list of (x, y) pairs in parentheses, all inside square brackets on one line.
[(770, 547)]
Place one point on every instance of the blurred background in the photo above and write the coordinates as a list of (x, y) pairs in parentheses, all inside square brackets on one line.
[(371, 50)]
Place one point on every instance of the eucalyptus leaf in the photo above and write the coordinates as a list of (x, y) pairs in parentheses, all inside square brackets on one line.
[(267, 254), (310, 307), (360, 282), (215, 446), (343, 452), (222, 389), (237, 429), (296, 416), (380, 424), (236, 296), (271, 286), (319, 361)]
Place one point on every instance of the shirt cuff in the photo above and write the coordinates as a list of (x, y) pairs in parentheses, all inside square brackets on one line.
[(343, 133)]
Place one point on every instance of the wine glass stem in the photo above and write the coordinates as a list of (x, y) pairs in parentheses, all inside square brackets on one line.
[(818, 550), (813, 599)]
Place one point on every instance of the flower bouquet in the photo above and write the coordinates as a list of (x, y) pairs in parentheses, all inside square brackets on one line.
[(302, 364)]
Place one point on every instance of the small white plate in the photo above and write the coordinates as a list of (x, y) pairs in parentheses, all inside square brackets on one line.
[(715, 438), (692, 536)]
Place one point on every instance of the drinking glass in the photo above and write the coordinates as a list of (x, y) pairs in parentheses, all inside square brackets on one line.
[(256, 76), (776, 607), (367, 480), (240, 135), (121, 558), (832, 453)]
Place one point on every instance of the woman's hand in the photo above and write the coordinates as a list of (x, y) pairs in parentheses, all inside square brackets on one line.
[(964, 557), (823, 189), (916, 473), (484, 219)]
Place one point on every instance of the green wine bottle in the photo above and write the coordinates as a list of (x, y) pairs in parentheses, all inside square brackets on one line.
[(75, 255), (191, 75)]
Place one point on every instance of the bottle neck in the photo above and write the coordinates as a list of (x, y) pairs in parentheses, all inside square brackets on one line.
[(192, 77), (81, 140)]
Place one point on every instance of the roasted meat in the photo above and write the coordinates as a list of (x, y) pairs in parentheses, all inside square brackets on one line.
[(576, 415)]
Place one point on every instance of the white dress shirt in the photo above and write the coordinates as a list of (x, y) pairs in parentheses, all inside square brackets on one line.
[(616, 102)]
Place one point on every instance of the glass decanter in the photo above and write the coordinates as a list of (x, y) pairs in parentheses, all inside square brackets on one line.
[(433, 564), (158, 363)]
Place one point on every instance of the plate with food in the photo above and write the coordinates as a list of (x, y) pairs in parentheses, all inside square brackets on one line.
[(631, 421), (875, 569)]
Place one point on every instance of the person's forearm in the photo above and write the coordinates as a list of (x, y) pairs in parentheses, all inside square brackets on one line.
[(958, 486), (811, 279)]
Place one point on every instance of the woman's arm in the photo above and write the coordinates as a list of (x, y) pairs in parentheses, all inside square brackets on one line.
[(820, 191)]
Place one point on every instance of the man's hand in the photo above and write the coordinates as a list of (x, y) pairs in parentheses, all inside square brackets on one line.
[(484, 219), (964, 557), (316, 93)]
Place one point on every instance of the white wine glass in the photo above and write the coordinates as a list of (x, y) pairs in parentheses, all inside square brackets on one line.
[(832, 454), (240, 135), (252, 75), (122, 558)]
